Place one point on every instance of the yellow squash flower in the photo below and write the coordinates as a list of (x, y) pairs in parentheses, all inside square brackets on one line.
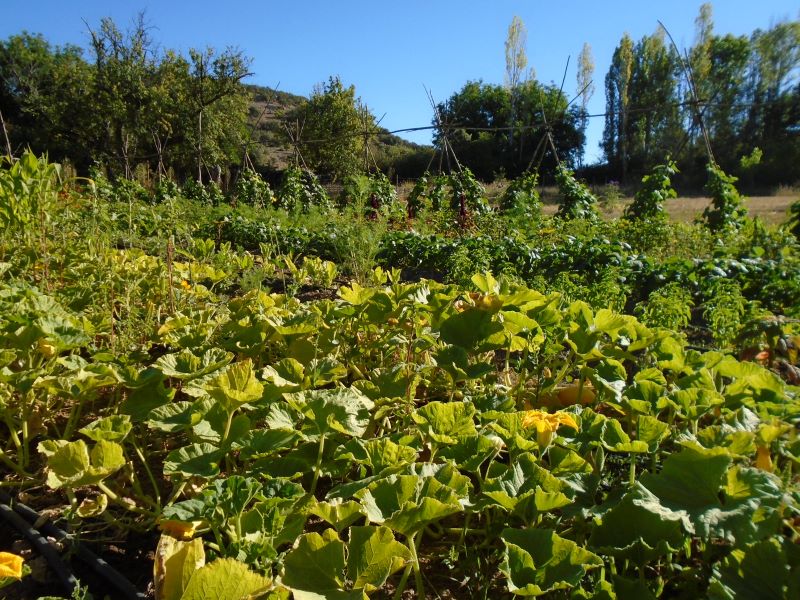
[(10, 565), (546, 424), (763, 459), (180, 530)]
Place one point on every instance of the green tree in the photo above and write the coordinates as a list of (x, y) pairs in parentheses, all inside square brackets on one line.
[(516, 66), (220, 103), (334, 124), (618, 83), (643, 121), (774, 99), (45, 93), (480, 106)]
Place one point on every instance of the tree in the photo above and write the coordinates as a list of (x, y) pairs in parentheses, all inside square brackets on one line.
[(216, 84), (334, 125), (584, 82), (643, 121), (516, 64), (44, 96), (618, 80), (479, 106), (130, 105), (774, 97)]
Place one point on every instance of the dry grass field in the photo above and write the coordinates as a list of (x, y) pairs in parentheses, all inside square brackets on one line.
[(773, 210)]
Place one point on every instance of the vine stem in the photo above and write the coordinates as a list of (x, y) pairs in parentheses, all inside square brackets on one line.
[(128, 504), (156, 491), (318, 464), (413, 545)]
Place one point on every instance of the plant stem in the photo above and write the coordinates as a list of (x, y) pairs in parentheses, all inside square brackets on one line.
[(632, 471), (156, 491), (318, 464), (413, 546), (124, 502)]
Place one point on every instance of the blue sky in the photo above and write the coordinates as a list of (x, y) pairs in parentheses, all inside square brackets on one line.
[(390, 50)]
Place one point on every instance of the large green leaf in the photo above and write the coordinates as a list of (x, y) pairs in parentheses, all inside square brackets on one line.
[(471, 451), (469, 329), (737, 505), (537, 561), (339, 513), (185, 365), (407, 503), (236, 386), (758, 572), (377, 453), (638, 528), (345, 410), (112, 429), (443, 422), (70, 464), (225, 579), (454, 360), (373, 555), (196, 460), (523, 488), (316, 563)]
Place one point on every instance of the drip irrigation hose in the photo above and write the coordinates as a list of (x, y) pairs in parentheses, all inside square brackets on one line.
[(42, 546), (21, 516)]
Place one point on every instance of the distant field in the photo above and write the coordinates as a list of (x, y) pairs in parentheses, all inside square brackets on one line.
[(771, 209)]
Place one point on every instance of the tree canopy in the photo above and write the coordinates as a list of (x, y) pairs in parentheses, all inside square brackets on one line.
[(491, 137)]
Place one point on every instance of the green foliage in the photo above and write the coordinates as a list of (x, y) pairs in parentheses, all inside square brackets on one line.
[(345, 443), (208, 194), (334, 123), (726, 210), (28, 192), (371, 194), (648, 203), (577, 202), (794, 219), (725, 311), (128, 100), (522, 196), (300, 190), (529, 105), (253, 190), (466, 193), (669, 307)]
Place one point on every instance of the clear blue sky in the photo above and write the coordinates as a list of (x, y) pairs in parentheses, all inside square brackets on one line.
[(389, 50)]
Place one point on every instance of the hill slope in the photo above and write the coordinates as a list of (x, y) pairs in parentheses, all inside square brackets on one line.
[(271, 151)]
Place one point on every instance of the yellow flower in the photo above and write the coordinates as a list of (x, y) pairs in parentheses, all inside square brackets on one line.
[(180, 530), (10, 565), (763, 459), (546, 424), (185, 284), (45, 348)]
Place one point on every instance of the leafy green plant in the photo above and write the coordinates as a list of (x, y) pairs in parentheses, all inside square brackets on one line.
[(300, 190), (726, 210), (253, 190), (794, 219), (648, 203), (577, 202), (724, 311), (669, 307), (522, 196)]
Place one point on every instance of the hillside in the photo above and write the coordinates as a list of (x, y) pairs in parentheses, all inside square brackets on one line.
[(271, 151)]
